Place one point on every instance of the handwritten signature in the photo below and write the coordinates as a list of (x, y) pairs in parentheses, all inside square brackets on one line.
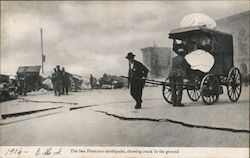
[(48, 151), (39, 152)]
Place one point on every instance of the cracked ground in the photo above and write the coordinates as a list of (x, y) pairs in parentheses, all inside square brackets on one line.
[(107, 118)]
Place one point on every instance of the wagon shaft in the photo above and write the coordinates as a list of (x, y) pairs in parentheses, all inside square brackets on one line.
[(150, 81), (154, 82)]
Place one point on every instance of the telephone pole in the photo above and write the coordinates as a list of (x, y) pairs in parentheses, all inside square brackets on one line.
[(42, 49)]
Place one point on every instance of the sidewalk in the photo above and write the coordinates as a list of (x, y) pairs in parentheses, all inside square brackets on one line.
[(223, 114)]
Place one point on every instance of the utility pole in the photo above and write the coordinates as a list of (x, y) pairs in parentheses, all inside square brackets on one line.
[(154, 44), (42, 50)]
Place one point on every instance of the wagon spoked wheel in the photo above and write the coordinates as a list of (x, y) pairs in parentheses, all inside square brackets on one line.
[(210, 89), (194, 94), (234, 84), (166, 91)]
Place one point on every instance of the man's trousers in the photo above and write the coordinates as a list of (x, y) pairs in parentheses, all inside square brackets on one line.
[(176, 88), (136, 87)]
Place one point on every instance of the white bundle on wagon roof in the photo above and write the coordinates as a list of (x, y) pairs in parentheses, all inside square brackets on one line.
[(199, 59), (198, 19)]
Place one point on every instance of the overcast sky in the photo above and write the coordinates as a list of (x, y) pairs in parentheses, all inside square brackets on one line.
[(93, 37)]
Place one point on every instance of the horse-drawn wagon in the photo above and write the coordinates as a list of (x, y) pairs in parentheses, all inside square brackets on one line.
[(209, 85)]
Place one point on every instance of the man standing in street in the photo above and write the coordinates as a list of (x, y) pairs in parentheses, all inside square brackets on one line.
[(66, 82), (22, 84), (136, 78), (176, 75), (53, 79), (59, 78)]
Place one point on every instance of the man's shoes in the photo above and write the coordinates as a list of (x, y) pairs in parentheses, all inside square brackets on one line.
[(137, 107), (180, 105)]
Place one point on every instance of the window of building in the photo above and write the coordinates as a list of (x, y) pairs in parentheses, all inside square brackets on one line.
[(242, 47)]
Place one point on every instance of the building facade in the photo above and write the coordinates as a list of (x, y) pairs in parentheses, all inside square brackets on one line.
[(158, 61), (238, 26)]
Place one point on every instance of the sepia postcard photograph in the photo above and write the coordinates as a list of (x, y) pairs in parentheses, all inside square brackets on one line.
[(124, 79)]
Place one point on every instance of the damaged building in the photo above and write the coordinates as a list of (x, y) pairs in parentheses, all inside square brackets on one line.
[(158, 61)]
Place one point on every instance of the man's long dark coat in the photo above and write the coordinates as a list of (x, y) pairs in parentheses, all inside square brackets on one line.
[(135, 80)]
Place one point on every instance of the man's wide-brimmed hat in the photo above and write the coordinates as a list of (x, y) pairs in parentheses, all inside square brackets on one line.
[(130, 55)]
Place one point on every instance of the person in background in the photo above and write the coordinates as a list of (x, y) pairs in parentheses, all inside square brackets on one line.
[(65, 82), (206, 44), (53, 80), (176, 75), (181, 46), (91, 80), (22, 86), (59, 80), (136, 78), (27, 82)]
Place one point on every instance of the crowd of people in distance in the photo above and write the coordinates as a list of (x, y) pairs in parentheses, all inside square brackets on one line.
[(60, 81)]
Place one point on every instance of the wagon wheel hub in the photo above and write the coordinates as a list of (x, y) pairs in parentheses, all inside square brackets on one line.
[(234, 85)]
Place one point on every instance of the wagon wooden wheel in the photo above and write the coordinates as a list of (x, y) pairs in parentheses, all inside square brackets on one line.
[(234, 84), (210, 89), (166, 91), (194, 94)]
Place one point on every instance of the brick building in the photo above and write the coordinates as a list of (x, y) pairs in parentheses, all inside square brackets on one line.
[(238, 26)]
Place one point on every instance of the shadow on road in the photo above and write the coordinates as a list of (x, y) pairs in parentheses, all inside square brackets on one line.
[(219, 103)]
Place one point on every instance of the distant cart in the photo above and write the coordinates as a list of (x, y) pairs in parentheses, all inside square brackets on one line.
[(31, 74), (75, 82), (111, 82)]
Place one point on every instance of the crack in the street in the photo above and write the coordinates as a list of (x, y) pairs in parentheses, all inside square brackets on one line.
[(81, 107), (4, 116), (24, 119), (36, 101), (175, 122)]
